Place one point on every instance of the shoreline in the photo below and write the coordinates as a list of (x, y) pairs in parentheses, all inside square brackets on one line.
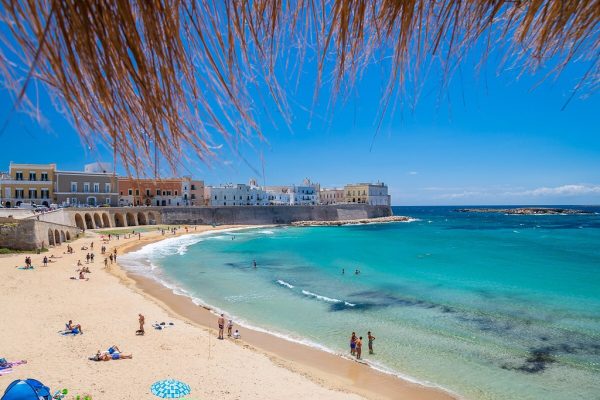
[(327, 369)]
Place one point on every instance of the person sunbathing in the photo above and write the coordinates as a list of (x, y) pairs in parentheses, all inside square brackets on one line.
[(74, 328), (114, 356)]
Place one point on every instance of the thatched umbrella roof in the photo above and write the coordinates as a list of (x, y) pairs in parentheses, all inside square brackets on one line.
[(171, 73)]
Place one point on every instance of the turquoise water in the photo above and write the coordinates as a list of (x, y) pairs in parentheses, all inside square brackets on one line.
[(488, 306)]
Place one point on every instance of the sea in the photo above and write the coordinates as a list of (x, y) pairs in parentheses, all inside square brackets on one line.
[(487, 306)]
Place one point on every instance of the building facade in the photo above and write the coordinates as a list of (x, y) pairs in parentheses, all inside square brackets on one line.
[(332, 196), (367, 193), (28, 184), (150, 192), (76, 189), (193, 192), (235, 195)]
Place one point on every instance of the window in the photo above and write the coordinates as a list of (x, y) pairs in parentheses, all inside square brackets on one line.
[(96, 188), (193, 196), (137, 192), (32, 194), (107, 201), (86, 187), (215, 197), (73, 186), (44, 176), (19, 176), (130, 192), (32, 176), (168, 192), (74, 200), (176, 193), (158, 192), (44, 193), (148, 192), (19, 193), (107, 188), (193, 187)]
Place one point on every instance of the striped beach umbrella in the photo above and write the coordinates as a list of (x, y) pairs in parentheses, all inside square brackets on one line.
[(170, 389)]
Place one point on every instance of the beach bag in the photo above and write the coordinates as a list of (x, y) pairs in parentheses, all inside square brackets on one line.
[(3, 362)]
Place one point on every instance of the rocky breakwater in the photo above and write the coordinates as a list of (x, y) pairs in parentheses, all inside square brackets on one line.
[(380, 220), (526, 211)]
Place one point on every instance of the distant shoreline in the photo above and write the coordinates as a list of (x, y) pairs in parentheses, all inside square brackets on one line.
[(379, 220), (526, 211)]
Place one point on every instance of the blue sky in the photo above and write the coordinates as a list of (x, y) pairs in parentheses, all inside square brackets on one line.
[(491, 138)]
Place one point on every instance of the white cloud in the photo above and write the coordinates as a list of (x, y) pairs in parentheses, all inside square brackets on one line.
[(564, 190), (495, 192), (413, 173)]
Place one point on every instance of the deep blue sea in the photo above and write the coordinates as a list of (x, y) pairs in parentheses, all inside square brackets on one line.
[(489, 306)]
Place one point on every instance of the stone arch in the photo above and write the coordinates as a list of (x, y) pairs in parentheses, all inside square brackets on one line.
[(89, 223), (119, 221), (50, 237), (79, 222), (105, 220), (68, 235), (45, 203), (56, 237), (62, 236), (152, 218), (131, 219), (7, 204), (98, 220), (141, 217)]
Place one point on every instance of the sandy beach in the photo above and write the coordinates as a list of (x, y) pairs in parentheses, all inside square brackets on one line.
[(37, 303)]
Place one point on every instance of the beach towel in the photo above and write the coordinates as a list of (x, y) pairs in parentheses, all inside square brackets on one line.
[(162, 325), (6, 367), (25, 268)]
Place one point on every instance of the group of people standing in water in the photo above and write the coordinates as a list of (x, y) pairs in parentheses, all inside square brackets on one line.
[(357, 342)]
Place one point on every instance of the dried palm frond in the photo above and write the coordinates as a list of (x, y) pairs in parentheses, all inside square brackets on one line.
[(141, 75)]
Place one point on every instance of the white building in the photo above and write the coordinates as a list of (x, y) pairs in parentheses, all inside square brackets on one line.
[(293, 195), (235, 195)]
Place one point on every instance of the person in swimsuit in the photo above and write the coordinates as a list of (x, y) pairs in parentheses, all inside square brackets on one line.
[(229, 328), (141, 320), (371, 338), (74, 328), (353, 343), (221, 323), (358, 348)]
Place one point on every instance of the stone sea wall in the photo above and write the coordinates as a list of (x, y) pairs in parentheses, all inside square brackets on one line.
[(31, 234), (267, 215)]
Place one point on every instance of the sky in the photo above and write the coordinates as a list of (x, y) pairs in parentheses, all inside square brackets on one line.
[(491, 138)]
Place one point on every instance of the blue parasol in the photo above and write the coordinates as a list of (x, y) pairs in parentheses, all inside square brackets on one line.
[(170, 389)]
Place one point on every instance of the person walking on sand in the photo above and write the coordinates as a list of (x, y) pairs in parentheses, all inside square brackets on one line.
[(45, 261), (105, 262), (371, 338), (358, 348), (229, 328), (92, 257), (87, 258), (353, 343), (141, 320), (111, 258), (221, 323)]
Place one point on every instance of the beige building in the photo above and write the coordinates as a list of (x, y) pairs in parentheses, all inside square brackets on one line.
[(193, 192), (332, 196), (77, 188), (28, 184), (368, 193)]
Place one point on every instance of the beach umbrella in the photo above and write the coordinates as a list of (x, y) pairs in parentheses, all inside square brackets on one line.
[(170, 389)]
